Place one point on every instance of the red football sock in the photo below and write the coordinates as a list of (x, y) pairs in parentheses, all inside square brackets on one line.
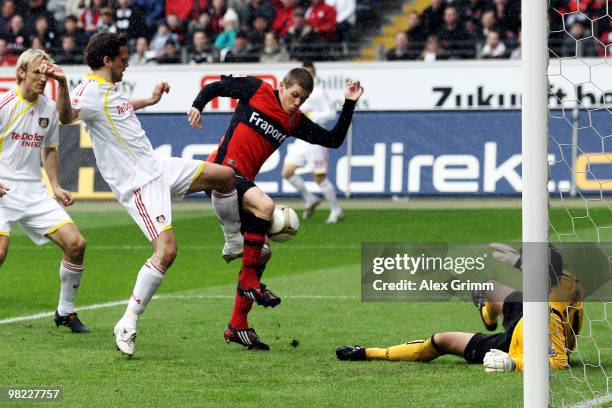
[(250, 260), (242, 307)]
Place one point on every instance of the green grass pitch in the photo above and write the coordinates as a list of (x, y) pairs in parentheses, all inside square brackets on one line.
[(181, 358)]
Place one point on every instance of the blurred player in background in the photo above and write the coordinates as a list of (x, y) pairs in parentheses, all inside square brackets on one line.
[(502, 351), (262, 121), (30, 127), (320, 109), (142, 181)]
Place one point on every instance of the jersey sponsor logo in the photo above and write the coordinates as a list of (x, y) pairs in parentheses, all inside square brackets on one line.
[(125, 107), (43, 122), (267, 129), (28, 139)]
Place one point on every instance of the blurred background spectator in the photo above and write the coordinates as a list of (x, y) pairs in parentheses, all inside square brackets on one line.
[(142, 53), (433, 51), (253, 8), (70, 54), (240, 51), (169, 54), (90, 17), (256, 35), (322, 18), (202, 51), (153, 12), (401, 51), (16, 37), (300, 37), (273, 51), (161, 37), (7, 58), (44, 33), (453, 36), (433, 16), (129, 20), (494, 46), (230, 28), (106, 21), (284, 17)]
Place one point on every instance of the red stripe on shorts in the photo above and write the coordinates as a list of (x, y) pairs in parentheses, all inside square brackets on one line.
[(144, 215)]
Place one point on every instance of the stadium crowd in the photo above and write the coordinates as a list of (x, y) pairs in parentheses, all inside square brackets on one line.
[(205, 31), (484, 29), (461, 29), (180, 31)]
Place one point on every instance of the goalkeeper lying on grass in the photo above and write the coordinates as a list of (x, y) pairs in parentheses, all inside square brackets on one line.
[(501, 351)]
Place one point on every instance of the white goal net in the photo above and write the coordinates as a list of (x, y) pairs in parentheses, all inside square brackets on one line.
[(580, 186)]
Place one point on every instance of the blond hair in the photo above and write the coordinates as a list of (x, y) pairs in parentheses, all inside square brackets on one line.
[(28, 57)]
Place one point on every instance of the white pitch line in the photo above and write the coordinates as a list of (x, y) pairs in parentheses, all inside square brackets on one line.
[(163, 297), (594, 403), (50, 314)]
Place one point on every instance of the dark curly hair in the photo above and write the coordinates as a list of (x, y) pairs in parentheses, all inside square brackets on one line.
[(103, 45)]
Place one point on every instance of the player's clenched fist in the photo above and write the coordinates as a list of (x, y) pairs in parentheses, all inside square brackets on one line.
[(158, 91), (194, 117), (63, 195)]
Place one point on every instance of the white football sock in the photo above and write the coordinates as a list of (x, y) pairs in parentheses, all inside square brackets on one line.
[(148, 280), (298, 182), (329, 192), (70, 279), (226, 207)]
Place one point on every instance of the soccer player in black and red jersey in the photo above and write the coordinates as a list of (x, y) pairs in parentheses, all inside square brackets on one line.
[(262, 121)]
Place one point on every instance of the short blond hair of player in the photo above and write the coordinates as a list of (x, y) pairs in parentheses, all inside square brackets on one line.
[(30, 130)]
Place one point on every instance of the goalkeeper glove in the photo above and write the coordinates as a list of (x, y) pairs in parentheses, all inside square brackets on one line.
[(506, 254), (497, 361)]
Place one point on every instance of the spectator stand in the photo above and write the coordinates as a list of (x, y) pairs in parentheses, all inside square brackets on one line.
[(392, 16)]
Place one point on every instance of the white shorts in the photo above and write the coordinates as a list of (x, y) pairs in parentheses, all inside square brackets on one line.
[(150, 205), (312, 156), (29, 205)]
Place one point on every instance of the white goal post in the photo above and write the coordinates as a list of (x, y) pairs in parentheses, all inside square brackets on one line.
[(535, 201)]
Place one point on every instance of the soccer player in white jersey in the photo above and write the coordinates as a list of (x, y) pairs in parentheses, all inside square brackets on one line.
[(30, 126), (142, 181), (319, 108)]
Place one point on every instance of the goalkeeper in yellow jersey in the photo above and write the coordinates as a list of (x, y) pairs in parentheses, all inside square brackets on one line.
[(501, 351)]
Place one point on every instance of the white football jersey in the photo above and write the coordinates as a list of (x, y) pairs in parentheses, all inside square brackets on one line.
[(26, 128), (124, 154), (318, 107)]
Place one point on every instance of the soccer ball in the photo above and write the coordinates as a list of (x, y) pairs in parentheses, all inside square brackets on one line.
[(285, 224)]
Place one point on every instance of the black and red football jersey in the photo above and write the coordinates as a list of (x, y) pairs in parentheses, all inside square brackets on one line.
[(260, 125)]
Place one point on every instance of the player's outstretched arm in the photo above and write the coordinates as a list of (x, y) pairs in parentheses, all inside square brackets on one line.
[(51, 165), (158, 91), (230, 86), (64, 108), (313, 133)]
